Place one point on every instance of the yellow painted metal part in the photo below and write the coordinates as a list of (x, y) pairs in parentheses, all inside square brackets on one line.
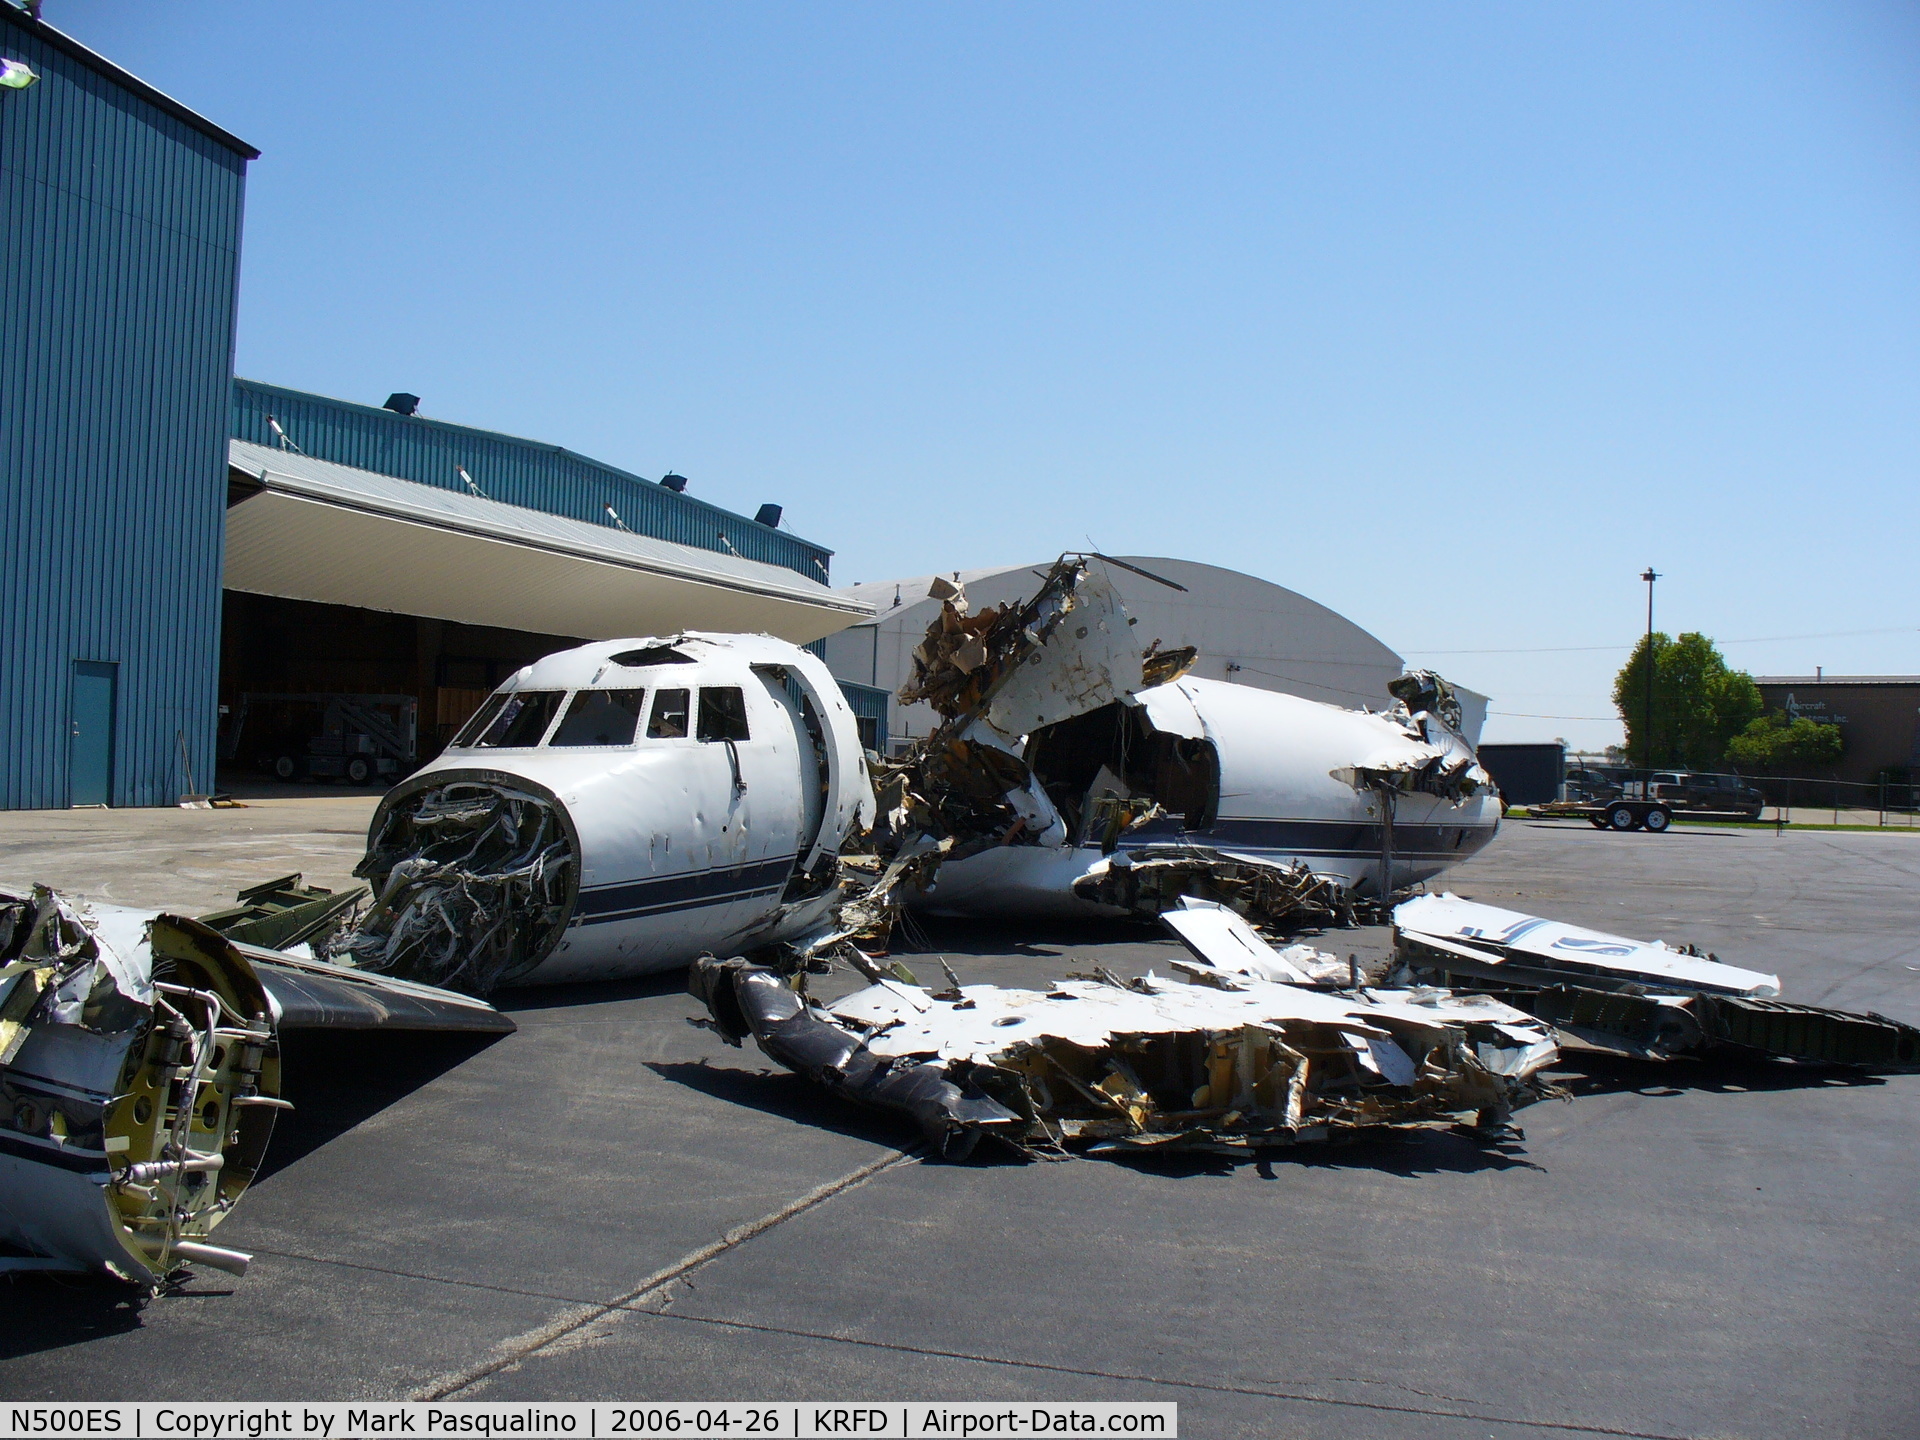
[(183, 1136)]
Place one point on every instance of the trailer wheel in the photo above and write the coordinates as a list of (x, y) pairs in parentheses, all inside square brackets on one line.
[(284, 767), (1621, 817), (358, 770), (1599, 822), (1658, 818)]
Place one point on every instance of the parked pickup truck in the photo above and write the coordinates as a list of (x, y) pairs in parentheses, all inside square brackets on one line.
[(1719, 794)]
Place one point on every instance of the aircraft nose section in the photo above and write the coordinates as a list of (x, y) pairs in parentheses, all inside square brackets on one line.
[(475, 874)]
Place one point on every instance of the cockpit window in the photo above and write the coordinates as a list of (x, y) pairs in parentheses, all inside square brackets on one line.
[(600, 717), (723, 713), (482, 718), (522, 720), (669, 718)]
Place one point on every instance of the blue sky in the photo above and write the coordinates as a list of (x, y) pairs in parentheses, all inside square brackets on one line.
[(1453, 318)]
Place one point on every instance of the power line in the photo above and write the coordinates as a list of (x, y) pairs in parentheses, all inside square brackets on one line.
[(1317, 684), (1749, 640)]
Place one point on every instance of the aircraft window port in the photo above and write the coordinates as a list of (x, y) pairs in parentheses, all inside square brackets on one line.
[(669, 718), (482, 718), (522, 721), (600, 717), (723, 713)]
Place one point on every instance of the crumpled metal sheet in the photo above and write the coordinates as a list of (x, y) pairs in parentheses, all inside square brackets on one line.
[(1230, 946), (1426, 758), (1152, 879), (1635, 997), (1420, 690), (1092, 658), (1105, 1067), (475, 881)]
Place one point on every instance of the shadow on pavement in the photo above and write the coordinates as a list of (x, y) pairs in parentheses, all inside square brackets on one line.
[(1409, 1154), (788, 1097), (1406, 1154), (1595, 1073), (588, 992), (338, 1079), (50, 1312)]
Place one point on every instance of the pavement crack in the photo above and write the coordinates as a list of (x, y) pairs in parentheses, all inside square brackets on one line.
[(562, 1326)]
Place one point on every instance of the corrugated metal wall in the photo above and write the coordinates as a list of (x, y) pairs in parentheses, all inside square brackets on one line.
[(518, 472), (119, 250), (869, 702)]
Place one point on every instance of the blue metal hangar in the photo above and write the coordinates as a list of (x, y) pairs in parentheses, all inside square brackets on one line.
[(183, 545)]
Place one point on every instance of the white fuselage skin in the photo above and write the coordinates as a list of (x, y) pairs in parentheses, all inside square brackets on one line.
[(685, 845), (679, 856), (1283, 800)]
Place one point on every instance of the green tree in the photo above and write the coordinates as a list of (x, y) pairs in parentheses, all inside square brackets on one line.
[(1699, 705), (1770, 743)]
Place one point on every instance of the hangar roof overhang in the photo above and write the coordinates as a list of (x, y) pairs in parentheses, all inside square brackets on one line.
[(125, 79), (307, 529)]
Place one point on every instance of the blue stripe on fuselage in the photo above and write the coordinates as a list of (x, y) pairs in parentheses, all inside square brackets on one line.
[(687, 891), (1332, 839)]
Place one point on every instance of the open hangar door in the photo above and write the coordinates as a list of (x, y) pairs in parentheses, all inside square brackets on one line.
[(381, 612), (355, 664)]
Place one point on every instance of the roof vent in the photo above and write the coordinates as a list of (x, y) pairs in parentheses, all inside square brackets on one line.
[(651, 655), (768, 515), (675, 483), (402, 403)]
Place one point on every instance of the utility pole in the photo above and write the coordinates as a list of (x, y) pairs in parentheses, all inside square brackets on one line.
[(1649, 576)]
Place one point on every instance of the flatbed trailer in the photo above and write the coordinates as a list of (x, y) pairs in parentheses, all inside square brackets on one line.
[(1621, 814)]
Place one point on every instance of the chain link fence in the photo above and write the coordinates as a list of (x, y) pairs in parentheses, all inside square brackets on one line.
[(1770, 799)]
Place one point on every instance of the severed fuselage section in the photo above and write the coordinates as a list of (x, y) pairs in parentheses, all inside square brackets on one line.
[(616, 810), (1075, 772)]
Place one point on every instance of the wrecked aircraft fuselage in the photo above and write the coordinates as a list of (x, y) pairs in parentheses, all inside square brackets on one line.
[(615, 810), (1075, 772), (628, 806), (1371, 802)]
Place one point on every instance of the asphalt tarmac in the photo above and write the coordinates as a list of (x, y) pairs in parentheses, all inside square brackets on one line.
[(614, 1204)]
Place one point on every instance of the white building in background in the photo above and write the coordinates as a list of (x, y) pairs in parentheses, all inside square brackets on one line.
[(1248, 631)]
